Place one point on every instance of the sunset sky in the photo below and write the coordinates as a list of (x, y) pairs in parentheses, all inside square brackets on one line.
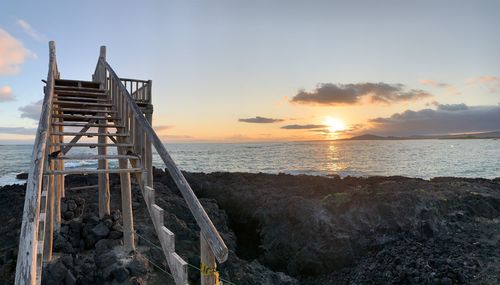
[(229, 71)]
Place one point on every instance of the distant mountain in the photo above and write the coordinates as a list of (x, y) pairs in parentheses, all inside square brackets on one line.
[(485, 135), (371, 137)]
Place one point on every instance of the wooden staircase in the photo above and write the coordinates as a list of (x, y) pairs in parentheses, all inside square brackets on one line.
[(106, 113)]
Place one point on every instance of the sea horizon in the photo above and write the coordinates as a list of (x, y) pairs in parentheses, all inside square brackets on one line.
[(411, 158)]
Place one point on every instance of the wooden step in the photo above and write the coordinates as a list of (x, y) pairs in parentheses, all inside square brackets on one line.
[(82, 124), (90, 134), (64, 93), (94, 144), (77, 83), (93, 171), (82, 187), (78, 89), (80, 99), (83, 110), (82, 104), (79, 118), (95, 157)]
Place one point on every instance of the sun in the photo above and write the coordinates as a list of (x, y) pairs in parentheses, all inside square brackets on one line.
[(334, 125)]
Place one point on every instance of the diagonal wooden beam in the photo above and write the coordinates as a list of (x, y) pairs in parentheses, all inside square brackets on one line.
[(77, 138), (110, 136)]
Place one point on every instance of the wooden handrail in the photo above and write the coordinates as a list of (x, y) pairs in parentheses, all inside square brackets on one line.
[(28, 241), (207, 228)]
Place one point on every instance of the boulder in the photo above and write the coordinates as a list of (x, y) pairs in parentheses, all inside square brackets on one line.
[(100, 231), (105, 259), (138, 266), (120, 273), (22, 176)]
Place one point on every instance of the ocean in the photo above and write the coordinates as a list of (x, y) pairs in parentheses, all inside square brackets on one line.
[(412, 158)]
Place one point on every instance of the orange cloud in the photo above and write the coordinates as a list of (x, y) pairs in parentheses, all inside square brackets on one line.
[(6, 94), (491, 81), (12, 54), (452, 90)]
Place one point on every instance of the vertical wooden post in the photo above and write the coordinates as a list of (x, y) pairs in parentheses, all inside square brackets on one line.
[(126, 193), (208, 264), (148, 159), (51, 197), (61, 164), (103, 178), (59, 182)]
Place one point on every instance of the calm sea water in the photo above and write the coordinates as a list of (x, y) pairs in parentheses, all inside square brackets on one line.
[(413, 158)]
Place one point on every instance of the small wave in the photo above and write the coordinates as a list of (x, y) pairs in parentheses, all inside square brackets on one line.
[(10, 178), (79, 163)]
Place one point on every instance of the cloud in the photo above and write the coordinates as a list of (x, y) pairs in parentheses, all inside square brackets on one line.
[(354, 93), (30, 31), (260, 120), (12, 54), (452, 107), (303, 127), (6, 94), (450, 89), (32, 110), (163, 127), (446, 119), (17, 131), (491, 81), (175, 137)]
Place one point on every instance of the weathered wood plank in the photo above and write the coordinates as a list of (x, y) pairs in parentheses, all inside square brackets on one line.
[(179, 269), (83, 187), (69, 110), (89, 117), (94, 157), (94, 144), (93, 171), (157, 214), (83, 124), (167, 238), (106, 134), (126, 194), (26, 259), (208, 264), (149, 195), (81, 100)]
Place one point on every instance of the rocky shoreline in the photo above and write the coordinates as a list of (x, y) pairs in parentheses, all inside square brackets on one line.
[(282, 229)]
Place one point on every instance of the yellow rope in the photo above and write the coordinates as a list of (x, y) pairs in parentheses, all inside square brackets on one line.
[(205, 270)]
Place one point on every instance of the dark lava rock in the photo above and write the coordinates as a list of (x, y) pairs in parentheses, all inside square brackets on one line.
[(100, 231), (22, 176), (138, 266), (120, 273), (71, 205), (69, 215), (70, 279), (105, 259), (103, 245), (54, 273), (115, 235), (116, 215), (284, 229)]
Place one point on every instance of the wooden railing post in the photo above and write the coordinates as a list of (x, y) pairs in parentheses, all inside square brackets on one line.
[(28, 240), (208, 266), (148, 157), (103, 178), (59, 180), (126, 191), (51, 197)]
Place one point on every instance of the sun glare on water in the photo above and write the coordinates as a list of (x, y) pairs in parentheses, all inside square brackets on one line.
[(334, 125)]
